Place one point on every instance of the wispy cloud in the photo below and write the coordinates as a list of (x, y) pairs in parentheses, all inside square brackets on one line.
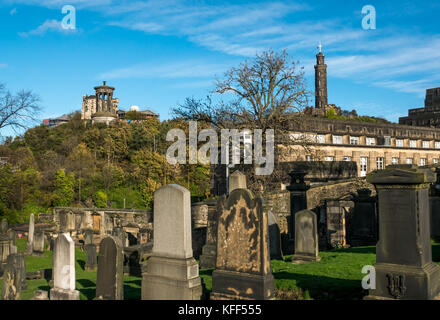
[(13, 11), (48, 26), (3, 65)]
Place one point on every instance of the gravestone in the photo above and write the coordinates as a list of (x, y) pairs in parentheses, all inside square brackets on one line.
[(110, 277), (209, 250), (199, 215), (404, 267), (64, 269), (434, 204), (4, 226), (119, 232), (91, 257), (5, 250), (298, 199), (30, 240), (66, 221), (171, 272), (306, 237), (22, 262), (336, 211), (88, 236), (40, 295), (363, 221), (12, 235), (274, 237), (12, 282), (243, 259), (38, 243), (237, 180)]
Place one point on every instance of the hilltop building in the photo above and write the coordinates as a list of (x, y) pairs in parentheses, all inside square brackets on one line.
[(429, 116)]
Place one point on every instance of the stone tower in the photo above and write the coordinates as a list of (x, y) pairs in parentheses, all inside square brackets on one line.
[(320, 81), (104, 102)]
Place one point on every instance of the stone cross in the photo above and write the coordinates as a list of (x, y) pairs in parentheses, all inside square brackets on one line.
[(171, 272), (306, 237), (243, 259), (64, 269), (404, 268), (110, 277)]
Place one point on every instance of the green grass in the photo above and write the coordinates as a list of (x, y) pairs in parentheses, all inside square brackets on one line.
[(336, 277)]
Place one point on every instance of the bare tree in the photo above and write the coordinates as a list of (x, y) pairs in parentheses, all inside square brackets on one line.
[(18, 111), (268, 92)]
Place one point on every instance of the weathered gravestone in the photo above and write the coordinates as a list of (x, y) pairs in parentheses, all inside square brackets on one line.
[(120, 233), (30, 240), (110, 278), (298, 198), (91, 258), (12, 282), (306, 237), (274, 237), (38, 243), (40, 295), (66, 221), (336, 212), (64, 269), (22, 262), (434, 204), (4, 226), (171, 271), (88, 236), (243, 258), (363, 220), (237, 180), (209, 250), (404, 267)]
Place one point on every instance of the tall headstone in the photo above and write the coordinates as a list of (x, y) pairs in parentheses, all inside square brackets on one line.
[(274, 237), (122, 235), (336, 224), (38, 243), (88, 236), (110, 277), (64, 269), (22, 262), (12, 281), (30, 240), (298, 197), (243, 259), (306, 237), (237, 180), (66, 221), (209, 250), (434, 204), (91, 257), (5, 250), (363, 221), (171, 272), (404, 267)]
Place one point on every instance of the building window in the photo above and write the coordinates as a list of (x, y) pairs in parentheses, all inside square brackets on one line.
[(379, 163), (409, 160), (395, 160), (370, 141), (337, 139), (320, 138), (309, 158), (413, 143), (329, 158), (399, 142), (363, 166), (437, 145), (387, 141), (422, 161), (347, 158), (425, 144), (354, 140), (435, 161)]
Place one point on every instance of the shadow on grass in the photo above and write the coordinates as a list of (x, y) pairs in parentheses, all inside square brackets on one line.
[(369, 250), (135, 282), (86, 283), (325, 288), (81, 263), (131, 292), (89, 293), (206, 272), (45, 288)]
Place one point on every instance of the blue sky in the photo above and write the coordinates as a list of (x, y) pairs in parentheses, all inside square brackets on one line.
[(156, 53)]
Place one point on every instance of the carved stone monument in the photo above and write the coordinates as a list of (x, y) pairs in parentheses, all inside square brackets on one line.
[(171, 272), (306, 237), (404, 267), (243, 259)]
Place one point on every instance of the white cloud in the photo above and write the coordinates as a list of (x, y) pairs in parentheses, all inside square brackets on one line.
[(47, 26)]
